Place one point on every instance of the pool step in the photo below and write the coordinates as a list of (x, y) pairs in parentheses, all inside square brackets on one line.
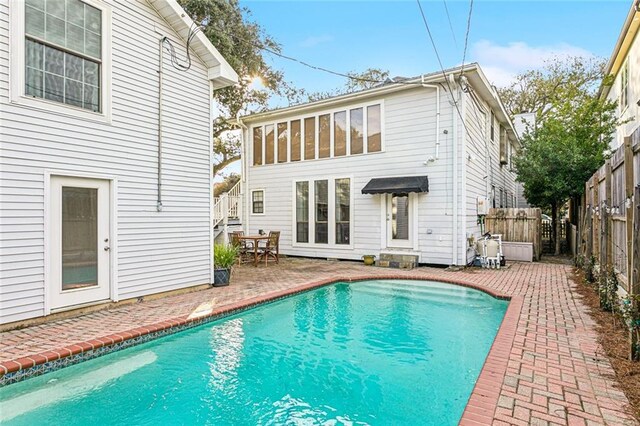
[(426, 287), (425, 295)]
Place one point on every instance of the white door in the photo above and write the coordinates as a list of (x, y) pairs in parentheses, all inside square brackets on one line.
[(79, 241), (399, 221)]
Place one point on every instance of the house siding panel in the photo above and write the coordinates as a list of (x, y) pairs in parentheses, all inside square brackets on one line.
[(157, 251)]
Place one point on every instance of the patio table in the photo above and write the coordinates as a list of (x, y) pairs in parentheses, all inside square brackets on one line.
[(255, 239)]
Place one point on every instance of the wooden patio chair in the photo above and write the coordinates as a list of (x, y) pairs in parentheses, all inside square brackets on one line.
[(272, 248), (244, 251)]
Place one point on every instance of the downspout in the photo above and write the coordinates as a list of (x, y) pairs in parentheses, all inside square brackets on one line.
[(160, 78), (435, 86), (454, 255), (465, 160)]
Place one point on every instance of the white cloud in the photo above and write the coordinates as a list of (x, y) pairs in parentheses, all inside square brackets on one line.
[(502, 62), (315, 40)]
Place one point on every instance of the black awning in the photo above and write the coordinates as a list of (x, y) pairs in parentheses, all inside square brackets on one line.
[(397, 185)]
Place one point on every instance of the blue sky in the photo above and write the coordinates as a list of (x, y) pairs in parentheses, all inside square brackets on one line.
[(505, 36)]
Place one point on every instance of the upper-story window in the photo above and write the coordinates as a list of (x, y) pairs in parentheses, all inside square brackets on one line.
[(348, 131), (492, 124), (63, 52), (624, 86)]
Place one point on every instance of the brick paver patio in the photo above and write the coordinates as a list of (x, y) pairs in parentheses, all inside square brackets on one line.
[(557, 372)]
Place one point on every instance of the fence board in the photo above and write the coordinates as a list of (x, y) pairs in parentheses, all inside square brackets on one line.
[(517, 225)]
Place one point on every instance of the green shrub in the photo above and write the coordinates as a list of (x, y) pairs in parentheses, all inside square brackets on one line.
[(224, 256)]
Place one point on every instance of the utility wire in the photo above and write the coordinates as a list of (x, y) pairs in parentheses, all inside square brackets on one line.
[(453, 33), (466, 37)]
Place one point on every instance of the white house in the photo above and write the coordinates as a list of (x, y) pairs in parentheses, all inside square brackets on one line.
[(399, 169), (105, 164)]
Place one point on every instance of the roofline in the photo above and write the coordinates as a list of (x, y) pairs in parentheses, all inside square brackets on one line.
[(219, 72), (629, 29)]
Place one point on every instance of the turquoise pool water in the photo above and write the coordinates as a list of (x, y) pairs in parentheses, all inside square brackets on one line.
[(385, 352)]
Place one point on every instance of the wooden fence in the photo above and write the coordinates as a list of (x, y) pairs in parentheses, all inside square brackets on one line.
[(610, 217), (517, 225)]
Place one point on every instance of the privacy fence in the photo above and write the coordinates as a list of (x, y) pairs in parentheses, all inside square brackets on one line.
[(610, 234)]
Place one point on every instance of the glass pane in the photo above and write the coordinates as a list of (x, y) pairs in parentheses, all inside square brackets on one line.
[(73, 67), (324, 143), (92, 44), (92, 19), (53, 87), (75, 12), (343, 200), (38, 4), (91, 98), (269, 148), (302, 212), (34, 55), (73, 93), (55, 30), (91, 73), (75, 38), (374, 135), (322, 211), (34, 22), (282, 142), (55, 8), (309, 138), (355, 115), (257, 146), (340, 133), (295, 140), (53, 60), (34, 83), (79, 237), (400, 217)]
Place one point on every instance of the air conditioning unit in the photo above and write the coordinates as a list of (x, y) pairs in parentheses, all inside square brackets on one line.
[(483, 206)]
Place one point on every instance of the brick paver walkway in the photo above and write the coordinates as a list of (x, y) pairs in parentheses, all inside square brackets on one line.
[(557, 372)]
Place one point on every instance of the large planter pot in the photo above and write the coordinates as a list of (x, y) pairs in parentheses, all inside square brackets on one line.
[(221, 277), (369, 259)]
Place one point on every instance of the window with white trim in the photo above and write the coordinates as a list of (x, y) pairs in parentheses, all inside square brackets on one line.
[(624, 86), (63, 52), (257, 201)]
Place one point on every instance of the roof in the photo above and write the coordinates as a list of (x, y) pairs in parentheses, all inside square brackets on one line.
[(623, 44), (219, 70), (472, 71)]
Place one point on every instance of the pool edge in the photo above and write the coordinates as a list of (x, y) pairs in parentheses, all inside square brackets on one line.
[(480, 407)]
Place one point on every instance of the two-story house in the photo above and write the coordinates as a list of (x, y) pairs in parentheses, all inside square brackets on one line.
[(399, 169), (105, 162)]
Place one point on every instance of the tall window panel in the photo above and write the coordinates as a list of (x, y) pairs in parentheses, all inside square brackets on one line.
[(309, 138), (322, 211), (374, 129), (257, 202), (302, 212), (324, 145), (257, 146), (295, 140), (283, 137), (269, 144), (340, 133), (356, 129), (63, 52), (343, 201)]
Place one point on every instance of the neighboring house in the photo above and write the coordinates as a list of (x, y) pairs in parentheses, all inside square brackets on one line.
[(104, 195), (397, 169), (623, 71), (522, 122)]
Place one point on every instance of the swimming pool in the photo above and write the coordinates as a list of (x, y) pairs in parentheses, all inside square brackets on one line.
[(370, 352)]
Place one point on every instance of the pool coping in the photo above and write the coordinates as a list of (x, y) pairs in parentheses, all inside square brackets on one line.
[(480, 407)]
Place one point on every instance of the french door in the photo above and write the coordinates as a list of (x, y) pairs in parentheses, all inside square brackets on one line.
[(79, 241), (399, 221)]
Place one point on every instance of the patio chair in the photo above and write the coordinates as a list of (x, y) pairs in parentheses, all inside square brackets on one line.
[(272, 248), (244, 250)]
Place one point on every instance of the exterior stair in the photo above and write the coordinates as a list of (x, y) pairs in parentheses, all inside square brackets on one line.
[(227, 213)]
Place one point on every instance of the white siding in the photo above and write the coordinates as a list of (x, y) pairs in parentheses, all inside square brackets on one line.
[(156, 251)]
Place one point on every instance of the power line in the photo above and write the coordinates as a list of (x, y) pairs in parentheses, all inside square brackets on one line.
[(453, 33), (466, 37)]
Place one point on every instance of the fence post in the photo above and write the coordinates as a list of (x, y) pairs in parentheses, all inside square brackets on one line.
[(628, 195)]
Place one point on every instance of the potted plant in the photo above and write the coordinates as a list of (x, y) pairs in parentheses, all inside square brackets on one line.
[(224, 256), (369, 259)]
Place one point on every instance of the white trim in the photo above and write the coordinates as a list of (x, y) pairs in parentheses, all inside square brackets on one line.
[(211, 185), (17, 67), (264, 206)]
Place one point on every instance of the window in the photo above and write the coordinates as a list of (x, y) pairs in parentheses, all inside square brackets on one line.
[(322, 211), (501, 198), (309, 138), (283, 140), (342, 207), (503, 145), (63, 52), (324, 143), (492, 126), (624, 86), (295, 140), (400, 217), (269, 145), (374, 130), (340, 134), (257, 146), (357, 135), (302, 212), (257, 201)]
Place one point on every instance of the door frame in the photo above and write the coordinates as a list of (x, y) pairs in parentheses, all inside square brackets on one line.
[(113, 226)]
